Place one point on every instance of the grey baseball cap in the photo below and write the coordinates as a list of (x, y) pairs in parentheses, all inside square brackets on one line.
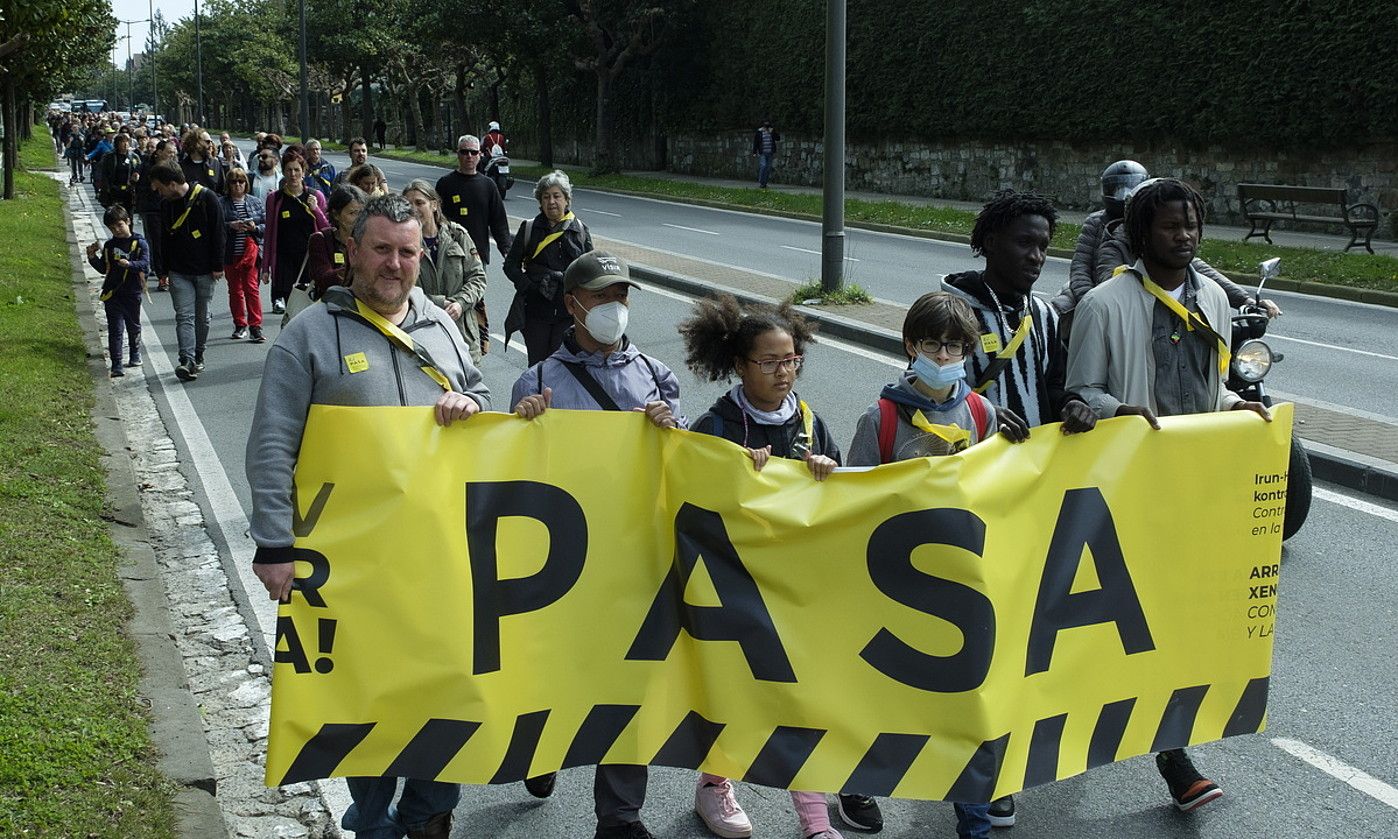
[(596, 270)]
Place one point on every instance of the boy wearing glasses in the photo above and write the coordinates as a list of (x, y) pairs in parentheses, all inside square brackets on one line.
[(472, 200), (930, 411)]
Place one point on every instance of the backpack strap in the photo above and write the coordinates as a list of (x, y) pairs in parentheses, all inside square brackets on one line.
[(888, 429), (977, 404)]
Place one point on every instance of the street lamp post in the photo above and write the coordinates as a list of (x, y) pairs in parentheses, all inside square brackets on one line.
[(130, 78), (199, 66), (154, 88), (832, 259), (305, 89)]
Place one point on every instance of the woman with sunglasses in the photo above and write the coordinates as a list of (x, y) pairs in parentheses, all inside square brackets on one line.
[(245, 217)]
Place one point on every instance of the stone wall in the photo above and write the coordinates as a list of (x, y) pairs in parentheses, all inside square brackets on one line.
[(973, 171)]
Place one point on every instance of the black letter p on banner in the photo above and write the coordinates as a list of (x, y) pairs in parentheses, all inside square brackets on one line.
[(494, 598)]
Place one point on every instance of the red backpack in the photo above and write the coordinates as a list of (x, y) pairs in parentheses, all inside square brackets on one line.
[(888, 422)]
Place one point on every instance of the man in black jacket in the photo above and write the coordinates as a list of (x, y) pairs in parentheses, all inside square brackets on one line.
[(192, 240), (472, 200)]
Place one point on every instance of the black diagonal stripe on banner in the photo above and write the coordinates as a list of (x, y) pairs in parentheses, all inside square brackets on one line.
[(884, 764), (515, 767), (690, 742), (323, 752), (1177, 723), (783, 755), (1043, 751), (431, 749), (598, 732), (1252, 707), (1106, 736), (977, 781)]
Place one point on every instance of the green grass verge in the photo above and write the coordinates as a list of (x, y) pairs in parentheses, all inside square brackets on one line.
[(1360, 270), (75, 752), (847, 295)]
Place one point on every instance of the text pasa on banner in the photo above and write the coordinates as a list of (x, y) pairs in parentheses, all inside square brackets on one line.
[(503, 598)]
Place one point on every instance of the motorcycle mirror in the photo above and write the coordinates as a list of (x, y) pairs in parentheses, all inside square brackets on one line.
[(1267, 270)]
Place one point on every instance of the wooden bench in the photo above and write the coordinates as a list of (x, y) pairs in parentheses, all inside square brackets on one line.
[(1266, 204)]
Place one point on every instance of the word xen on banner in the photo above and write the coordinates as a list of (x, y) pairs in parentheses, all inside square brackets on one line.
[(503, 598)]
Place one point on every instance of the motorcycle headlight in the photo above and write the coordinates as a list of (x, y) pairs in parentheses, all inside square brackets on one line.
[(1252, 361)]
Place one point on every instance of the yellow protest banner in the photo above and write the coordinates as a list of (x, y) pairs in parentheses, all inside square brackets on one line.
[(502, 598)]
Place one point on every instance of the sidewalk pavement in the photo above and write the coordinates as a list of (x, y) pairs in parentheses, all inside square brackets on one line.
[(1346, 447)]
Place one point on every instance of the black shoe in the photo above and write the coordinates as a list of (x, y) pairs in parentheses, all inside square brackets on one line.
[(437, 827), (185, 372), (278, 308), (117, 373), (198, 364), (1188, 788), (257, 337), (1002, 812), (861, 812), (541, 786), (239, 333), (630, 830)]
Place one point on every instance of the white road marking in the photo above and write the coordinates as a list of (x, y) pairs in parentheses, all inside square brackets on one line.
[(1336, 768), (833, 343), (513, 344), (1356, 504), (1325, 346), (598, 212), (690, 229), (817, 253)]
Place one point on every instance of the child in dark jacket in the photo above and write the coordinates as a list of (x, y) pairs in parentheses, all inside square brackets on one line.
[(124, 260), (763, 347)]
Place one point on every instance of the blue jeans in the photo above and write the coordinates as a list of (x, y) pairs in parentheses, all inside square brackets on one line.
[(190, 293), (972, 821), (764, 168), (373, 816)]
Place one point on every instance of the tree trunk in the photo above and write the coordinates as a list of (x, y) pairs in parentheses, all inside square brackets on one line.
[(603, 161), (366, 117), (11, 147), (414, 116), (346, 113), (541, 96), (459, 102)]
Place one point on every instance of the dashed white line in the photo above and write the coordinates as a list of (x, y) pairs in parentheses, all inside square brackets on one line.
[(1356, 504), (1326, 346), (690, 229), (1336, 768), (817, 253), (599, 212)]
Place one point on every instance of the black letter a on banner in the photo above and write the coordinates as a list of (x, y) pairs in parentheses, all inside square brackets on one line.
[(743, 617), (1085, 521)]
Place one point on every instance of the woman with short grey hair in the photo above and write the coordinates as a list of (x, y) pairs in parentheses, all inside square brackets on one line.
[(451, 272), (542, 250)]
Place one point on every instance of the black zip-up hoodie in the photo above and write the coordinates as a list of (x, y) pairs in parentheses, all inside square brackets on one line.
[(197, 247), (725, 419)]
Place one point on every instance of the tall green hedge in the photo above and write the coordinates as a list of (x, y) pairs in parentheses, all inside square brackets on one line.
[(1254, 73)]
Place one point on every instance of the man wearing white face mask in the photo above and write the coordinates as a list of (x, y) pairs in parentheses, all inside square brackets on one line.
[(597, 368)]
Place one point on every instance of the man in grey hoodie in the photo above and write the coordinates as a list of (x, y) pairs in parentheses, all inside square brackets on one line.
[(597, 368), (345, 352)]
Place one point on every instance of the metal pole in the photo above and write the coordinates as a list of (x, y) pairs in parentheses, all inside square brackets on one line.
[(305, 88), (832, 248), (199, 66), (130, 85), (154, 88)]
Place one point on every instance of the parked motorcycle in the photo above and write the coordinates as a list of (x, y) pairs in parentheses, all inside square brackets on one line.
[(497, 168), (1252, 361)]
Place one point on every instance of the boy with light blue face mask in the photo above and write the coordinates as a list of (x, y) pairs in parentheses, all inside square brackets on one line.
[(931, 411)]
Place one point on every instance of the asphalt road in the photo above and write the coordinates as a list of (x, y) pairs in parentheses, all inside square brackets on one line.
[(1332, 689), (1336, 351)]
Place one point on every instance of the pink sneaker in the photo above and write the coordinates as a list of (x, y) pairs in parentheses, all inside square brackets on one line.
[(720, 811)]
